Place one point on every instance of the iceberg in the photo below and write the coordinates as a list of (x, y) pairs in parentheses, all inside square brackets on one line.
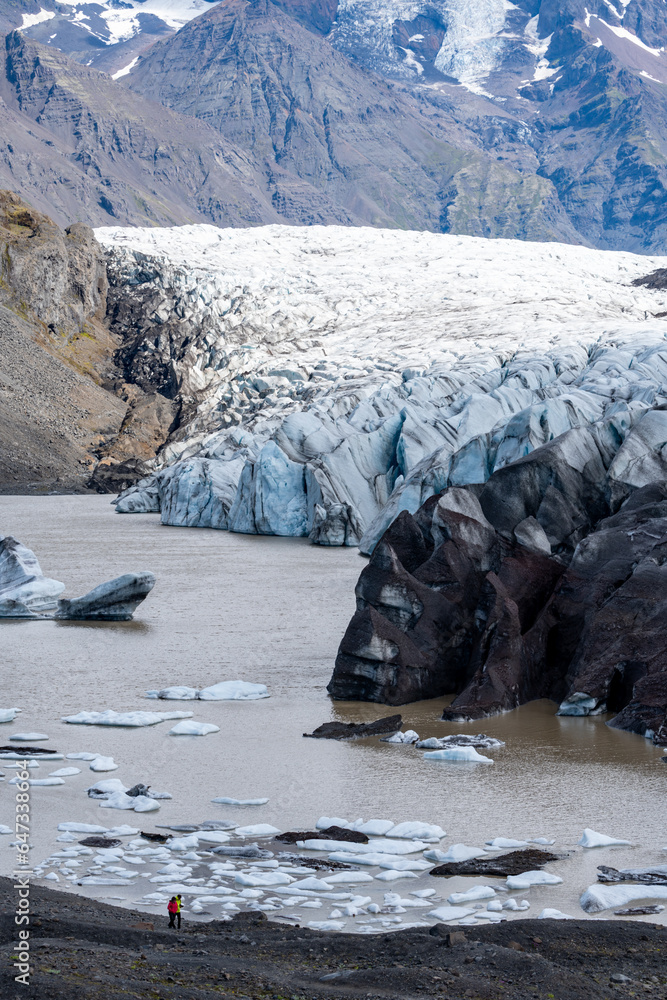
[(412, 830), (526, 879), (129, 719), (457, 852), (65, 772), (590, 838), (458, 754), (223, 691), (258, 830), (605, 897), (446, 913), (240, 802), (472, 895), (550, 914), (8, 714), (28, 737), (103, 764), (192, 728)]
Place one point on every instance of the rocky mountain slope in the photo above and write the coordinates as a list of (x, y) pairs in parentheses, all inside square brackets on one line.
[(532, 121), (331, 377), (77, 145), (64, 406)]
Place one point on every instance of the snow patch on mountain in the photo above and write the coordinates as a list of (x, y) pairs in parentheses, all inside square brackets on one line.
[(331, 377)]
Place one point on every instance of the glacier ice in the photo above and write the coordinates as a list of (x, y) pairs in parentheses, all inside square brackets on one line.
[(590, 838), (458, 754), (343, 376), (603, 897)]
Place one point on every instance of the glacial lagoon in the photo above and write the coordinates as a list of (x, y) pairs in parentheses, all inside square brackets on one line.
[(272, 611)]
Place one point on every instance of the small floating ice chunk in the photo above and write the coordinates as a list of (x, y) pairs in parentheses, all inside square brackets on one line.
[(445, 913), (417, 831), (81, 828), (471, 895), (6, 829), (103, 789), (193, 728), (82, 755), (212, 836), (324, 822), (590, 838), (65, 772), (348, 878), (240, 802), (139, 803), (603, 897), (103, 764), (526, 879), (28, 737), (38, 781), (51, 877), (409, 736), (326, 925), (543, 841), (264, 879), (504, 842), (458, 754), (8, 714), (551, 914), (457, 852), (258, 830), (234, 691), (131, 720), (423, 893), (392, 874), (375, 827), (123, 831)]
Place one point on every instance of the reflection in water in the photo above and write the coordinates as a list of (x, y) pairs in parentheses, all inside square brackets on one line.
[(273, 610)]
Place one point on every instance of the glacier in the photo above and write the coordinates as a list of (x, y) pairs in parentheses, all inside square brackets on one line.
[(330, 378)]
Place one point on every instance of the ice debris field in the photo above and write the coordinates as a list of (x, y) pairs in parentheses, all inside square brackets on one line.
[(345, 375), (361, 876)]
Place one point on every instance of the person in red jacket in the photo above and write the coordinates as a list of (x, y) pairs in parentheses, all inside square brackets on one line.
[(172, 907)]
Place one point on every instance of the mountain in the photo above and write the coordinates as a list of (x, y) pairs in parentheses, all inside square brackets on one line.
[(107, 34), (539, 92), (80, 147)]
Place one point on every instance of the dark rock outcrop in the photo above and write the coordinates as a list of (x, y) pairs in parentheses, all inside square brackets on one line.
[(356, 730), (646, 876), (550, 581), (507, 864), (331, 833)]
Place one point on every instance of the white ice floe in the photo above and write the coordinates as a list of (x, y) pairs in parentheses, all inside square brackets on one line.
[(6, 829), (313, 884), (410, 736), (17, 755), (192, 728), (28, 737), (324, 822), (526, 879), (65, 772), (374, 846), (103, 764), (212, 836), (458, 754), (223, 691), (504, 842), (446, 913), (8, 714), (590, 838), (543, 841), (264, 879), (51, 877), (374, 827), (326, 925), (457, 852), (348, 877), (472, 895), (603, 897), (417, 831), (139, 803), (257, 830), (128, 719), (81, 828), (106, 787), (423, 893), (550, 914), (223, 800), (82, 755), (37, 781)]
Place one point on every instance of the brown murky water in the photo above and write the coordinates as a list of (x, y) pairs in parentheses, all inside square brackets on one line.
[(273, 610)]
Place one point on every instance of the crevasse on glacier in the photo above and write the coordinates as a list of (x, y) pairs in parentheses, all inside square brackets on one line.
[(337, 377)]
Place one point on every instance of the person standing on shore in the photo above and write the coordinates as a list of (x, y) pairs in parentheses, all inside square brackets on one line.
[(172, 908), (179, 903)]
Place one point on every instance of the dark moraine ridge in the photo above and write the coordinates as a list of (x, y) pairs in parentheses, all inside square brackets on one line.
[(85, 950), (548, 581)]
